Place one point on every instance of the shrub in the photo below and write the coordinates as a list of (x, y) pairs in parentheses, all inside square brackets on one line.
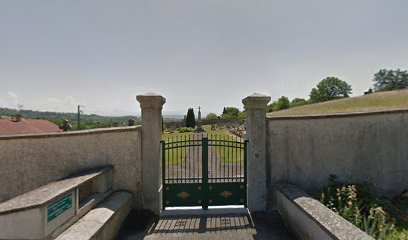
[(357, 204), (297, 102), (281, 104), (211, 116), (242, 115), (230, 112), (184, 129)]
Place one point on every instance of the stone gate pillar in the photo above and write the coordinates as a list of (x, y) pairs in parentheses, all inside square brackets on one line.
[(151, 105), (256, 130)]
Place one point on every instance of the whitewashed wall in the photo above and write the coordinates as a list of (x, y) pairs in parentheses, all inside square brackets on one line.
[(32, 160), (370, 147)]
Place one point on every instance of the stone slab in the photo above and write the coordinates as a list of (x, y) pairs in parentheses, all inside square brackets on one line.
[(47, 193), (310, 218)]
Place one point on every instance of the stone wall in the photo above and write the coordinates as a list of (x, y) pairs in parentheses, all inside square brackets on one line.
[(32, 160), (310, 219), (358, 147)]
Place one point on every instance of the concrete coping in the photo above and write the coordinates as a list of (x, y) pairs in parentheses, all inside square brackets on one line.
[(151, 100), (335, 115), (47, 193), (333, 224), (72, 133), (256, 101)]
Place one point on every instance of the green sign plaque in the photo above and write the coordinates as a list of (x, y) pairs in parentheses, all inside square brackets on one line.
[(58, 207)]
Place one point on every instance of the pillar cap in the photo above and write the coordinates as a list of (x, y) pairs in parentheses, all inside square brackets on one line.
[(256, 101), (151, 100)]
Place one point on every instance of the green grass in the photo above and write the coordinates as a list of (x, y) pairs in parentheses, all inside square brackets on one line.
[(169, 137), (207, 128), (229, 154), (226, 154), (380, 101), (176, 155)]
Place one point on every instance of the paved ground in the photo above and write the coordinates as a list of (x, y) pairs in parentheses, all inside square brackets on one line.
[(216, 225)]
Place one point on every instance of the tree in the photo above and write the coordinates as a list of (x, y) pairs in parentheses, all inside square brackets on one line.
[(184, 121), (330, 88), (230, 112), (280, 104), (272, 106), (211, 116), (190, 118), (387, 80), (297, 102), (242, 115)]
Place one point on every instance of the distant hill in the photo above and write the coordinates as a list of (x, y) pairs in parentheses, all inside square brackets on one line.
[(57, 117), (171, 118), (379, 101)]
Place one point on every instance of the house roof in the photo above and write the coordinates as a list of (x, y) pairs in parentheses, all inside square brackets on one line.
[(9, 127)]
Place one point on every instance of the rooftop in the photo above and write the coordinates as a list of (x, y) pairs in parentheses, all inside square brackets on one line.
[(12, 126)]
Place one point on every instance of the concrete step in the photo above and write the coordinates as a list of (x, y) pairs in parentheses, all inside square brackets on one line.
[(102, 222)]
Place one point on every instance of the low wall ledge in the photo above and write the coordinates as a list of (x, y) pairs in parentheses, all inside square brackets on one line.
[(335, 115), (46, 193), (72, 133), (334, 225)]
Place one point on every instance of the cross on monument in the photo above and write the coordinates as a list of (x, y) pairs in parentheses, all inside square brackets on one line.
[(199, 113), (199, 128)]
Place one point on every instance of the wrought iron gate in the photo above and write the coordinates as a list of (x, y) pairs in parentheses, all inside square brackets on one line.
[(204, 170)]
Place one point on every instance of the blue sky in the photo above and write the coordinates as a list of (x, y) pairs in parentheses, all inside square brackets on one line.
[(57, 54)]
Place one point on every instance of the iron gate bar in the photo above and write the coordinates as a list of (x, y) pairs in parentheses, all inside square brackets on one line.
[(214, 181), (163, 144), (245, 165), (204, 165)]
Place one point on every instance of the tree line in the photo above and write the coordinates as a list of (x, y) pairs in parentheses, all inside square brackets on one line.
[(88, 121), (332, 88), (227, 113)]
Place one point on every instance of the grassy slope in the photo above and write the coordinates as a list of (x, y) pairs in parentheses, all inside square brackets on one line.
[(372, 102)]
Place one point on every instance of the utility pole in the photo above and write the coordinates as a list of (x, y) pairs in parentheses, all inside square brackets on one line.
[(79, 116)]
